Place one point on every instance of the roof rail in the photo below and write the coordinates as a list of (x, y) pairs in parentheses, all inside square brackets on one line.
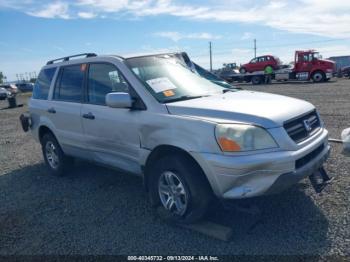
[(66, 58)]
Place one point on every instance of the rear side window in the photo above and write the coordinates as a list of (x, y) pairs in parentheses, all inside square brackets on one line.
[(42, 84), (70, 83)]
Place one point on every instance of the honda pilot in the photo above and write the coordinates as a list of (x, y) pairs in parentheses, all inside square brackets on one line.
[(190, 139)]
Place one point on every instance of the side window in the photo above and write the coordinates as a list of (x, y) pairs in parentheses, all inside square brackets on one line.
[(307, 58), (69, 85), (104, 79), (42, 84), (268, 58), (262, 59), (253, 61)]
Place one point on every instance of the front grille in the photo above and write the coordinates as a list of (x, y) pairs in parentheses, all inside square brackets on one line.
[(303, 127), (306, 159)]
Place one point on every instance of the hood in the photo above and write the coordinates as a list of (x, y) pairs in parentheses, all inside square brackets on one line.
[(327, 61), (257, 108)]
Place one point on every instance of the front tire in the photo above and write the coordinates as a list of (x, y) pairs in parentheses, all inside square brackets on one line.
[(318, 77), (243, 70), (180, 188), (56, 161)]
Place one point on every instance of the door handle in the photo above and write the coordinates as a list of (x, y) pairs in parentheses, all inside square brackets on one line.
[(51, 110), (89, 116)]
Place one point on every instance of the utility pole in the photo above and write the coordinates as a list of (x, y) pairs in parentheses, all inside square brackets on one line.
[(254, 48), (211, 58)]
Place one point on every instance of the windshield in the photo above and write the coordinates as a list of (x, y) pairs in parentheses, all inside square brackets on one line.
[(317, 55), (169, 81)]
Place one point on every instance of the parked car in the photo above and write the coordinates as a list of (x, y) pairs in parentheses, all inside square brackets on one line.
[(260, 63), (229, 73), (183, 58), (212, 77), (345, 71), (189, 139), (10, 87), (4, 93), (25, 87)]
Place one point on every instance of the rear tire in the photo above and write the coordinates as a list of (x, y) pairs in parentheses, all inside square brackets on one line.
[(318, 77), (257, 80), (270, 67), (186, 199), (56, 161)]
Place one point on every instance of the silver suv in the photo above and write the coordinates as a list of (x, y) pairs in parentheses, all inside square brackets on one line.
[(190, 140)]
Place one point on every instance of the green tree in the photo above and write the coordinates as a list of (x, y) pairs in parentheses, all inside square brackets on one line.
[(1, 77)]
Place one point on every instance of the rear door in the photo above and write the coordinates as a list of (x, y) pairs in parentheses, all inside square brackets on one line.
[(65, 109), (112, 134)]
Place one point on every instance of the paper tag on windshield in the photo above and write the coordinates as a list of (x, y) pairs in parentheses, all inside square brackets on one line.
[(160, 84)]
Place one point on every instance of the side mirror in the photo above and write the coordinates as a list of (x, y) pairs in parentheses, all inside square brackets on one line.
[(119, 100)]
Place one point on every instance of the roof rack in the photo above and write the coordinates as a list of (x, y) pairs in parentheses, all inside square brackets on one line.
[(66, 58)]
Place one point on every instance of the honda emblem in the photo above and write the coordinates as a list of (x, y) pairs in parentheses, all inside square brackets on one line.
[(307, 125)]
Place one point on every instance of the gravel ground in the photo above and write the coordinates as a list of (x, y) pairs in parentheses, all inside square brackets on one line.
[(94, 210)]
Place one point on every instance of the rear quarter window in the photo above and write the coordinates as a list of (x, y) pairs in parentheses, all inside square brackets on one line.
[(42, 84)]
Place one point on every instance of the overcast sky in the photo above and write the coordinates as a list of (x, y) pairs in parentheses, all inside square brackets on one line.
[(33, 32)]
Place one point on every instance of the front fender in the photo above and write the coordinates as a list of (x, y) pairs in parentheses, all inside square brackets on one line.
[(180, 131)]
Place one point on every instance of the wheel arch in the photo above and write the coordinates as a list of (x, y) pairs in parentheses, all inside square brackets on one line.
[(166, 150), (316, 71), (43, 129)]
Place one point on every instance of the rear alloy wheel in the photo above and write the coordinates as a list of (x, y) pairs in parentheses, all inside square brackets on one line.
[(56, 161), (51, 155), (318, 77)]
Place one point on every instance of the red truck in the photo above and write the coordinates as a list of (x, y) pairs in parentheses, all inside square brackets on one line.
[(308, 65), (313, 66)]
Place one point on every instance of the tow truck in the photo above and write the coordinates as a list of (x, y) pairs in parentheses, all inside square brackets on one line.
[(308, 65)]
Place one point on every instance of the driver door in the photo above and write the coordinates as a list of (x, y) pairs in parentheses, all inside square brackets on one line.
[(253, 64), (111, 134)]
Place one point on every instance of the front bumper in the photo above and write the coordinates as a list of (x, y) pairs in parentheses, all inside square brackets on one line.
[(234, 177), (329, 75)]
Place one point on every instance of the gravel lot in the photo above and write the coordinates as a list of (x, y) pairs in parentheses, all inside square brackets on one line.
[(94, 210)]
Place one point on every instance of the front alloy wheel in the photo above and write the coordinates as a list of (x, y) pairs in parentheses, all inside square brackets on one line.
[(179, 186), (172, 193)]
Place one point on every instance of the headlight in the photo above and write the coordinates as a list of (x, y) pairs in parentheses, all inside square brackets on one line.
[(237, 137)]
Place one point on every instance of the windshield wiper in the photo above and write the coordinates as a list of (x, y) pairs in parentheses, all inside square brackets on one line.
[(181, 98)]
